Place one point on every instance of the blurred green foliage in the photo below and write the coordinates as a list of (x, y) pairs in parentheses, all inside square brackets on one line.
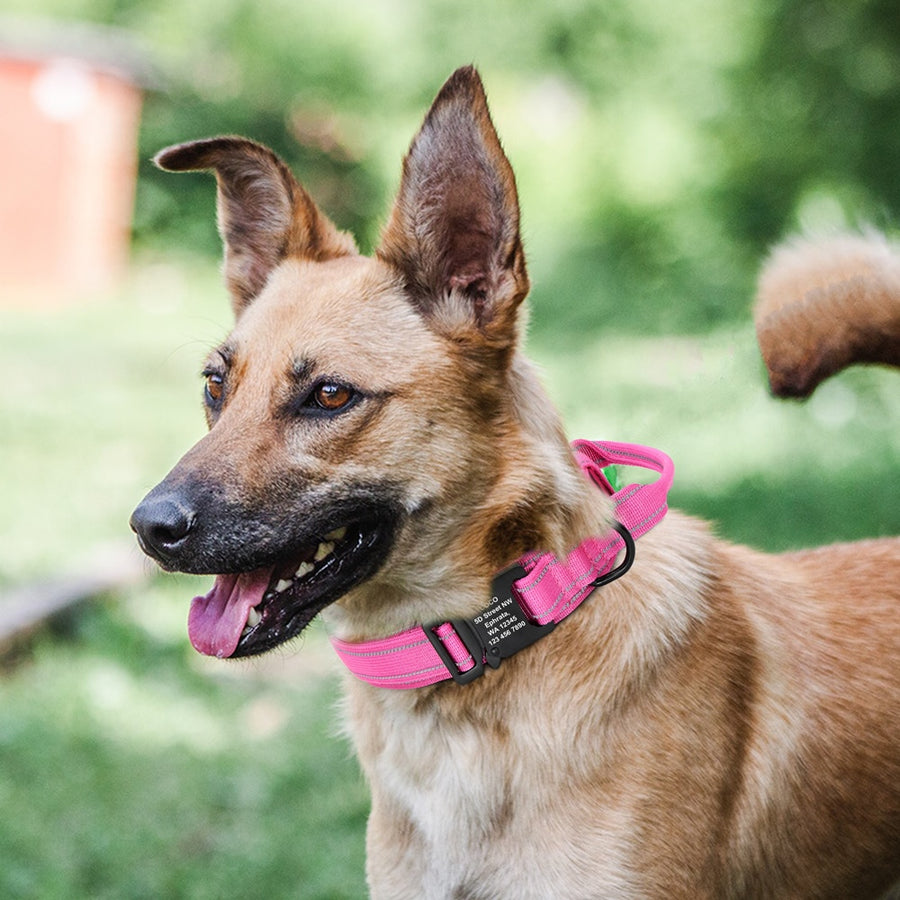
[(660, 148)]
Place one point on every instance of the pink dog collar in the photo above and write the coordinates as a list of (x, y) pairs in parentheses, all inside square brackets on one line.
[(529, 598)]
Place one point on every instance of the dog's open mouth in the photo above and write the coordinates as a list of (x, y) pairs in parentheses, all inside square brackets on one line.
[(251, 612)]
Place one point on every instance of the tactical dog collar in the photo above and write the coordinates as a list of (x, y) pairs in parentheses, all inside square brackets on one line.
[(529, 598)]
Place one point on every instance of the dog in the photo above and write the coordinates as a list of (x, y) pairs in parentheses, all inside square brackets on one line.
[(710, 722)]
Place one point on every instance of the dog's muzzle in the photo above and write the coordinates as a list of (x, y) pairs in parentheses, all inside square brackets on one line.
[(275, 567)]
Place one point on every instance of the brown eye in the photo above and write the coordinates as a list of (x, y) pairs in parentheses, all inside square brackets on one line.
[(332, 397), (215, 388)]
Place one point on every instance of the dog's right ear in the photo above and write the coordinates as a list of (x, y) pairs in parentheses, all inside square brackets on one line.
[(264, 215), (453, 233)]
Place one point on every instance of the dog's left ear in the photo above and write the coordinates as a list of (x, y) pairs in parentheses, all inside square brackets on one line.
[(454, 229), (264, 214)]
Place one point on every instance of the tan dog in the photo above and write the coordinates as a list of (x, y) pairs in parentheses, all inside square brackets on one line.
[(716, 723)]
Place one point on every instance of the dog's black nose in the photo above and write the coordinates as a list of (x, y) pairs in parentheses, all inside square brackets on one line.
[(162, 525)]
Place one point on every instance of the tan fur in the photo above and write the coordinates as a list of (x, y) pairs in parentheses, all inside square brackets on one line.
[(717, 724), (825, 304)]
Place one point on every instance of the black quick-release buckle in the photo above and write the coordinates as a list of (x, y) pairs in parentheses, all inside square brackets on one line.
[(504, 628), (496, 633)]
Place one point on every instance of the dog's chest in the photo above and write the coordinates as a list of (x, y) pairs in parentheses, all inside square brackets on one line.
[(466, 812)]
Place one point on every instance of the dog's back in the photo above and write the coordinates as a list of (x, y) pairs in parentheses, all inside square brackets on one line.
[(829, 632)]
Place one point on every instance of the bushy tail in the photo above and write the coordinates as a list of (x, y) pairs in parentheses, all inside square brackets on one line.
[(823, 305)]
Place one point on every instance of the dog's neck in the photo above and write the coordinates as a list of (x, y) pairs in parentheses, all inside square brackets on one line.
[(538, 498)]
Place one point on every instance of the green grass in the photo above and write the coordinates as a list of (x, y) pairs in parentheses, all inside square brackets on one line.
[(129, 766), (132, 770)]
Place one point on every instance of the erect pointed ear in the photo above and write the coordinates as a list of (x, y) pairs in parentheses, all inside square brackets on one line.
[(264, 215), (454, 229)]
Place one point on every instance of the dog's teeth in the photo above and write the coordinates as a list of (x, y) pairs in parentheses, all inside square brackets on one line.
[(282, 585), (326, 548), (337, 535), (304, 569), (253, 618)]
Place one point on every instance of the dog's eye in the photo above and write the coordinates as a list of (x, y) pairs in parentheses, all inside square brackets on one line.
[(332, 397), (215, 388), (324, 400)]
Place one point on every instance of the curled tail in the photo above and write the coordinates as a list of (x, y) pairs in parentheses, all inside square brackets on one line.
[(823, 305)]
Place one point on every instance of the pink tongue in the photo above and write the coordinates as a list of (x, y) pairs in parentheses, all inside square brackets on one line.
[(216, 621)]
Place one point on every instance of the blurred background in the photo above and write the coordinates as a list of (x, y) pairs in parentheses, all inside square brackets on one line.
[(660, 150)]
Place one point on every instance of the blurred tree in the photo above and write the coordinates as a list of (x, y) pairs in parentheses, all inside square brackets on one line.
[(660, 148), (810, 140)]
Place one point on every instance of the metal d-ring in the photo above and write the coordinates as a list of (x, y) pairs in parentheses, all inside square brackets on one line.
[(623, 566)]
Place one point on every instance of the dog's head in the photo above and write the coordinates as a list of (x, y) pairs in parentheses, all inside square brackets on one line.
[(361, 412)]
